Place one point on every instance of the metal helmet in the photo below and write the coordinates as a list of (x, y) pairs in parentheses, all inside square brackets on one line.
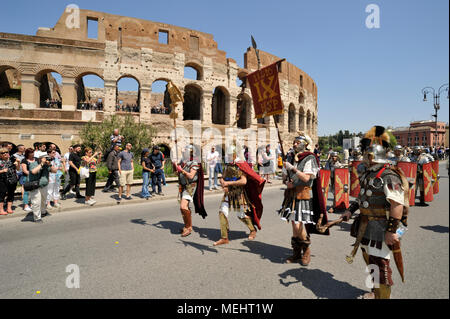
[(334, 154), (398, 148), (305, 142), (417, 149), (374, 145)]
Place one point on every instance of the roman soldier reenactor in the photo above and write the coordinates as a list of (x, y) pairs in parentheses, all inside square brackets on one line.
[(420, 157), (398, 155), (303, 202), (242, 195), (191, 188), (383, 204), (330, 165)]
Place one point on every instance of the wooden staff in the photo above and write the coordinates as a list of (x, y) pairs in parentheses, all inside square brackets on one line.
[(274, 120)]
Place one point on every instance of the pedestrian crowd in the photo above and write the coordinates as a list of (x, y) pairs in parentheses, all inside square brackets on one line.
[(90, 105), (46, 177), (159, 109), (52, 103), (128, 108)]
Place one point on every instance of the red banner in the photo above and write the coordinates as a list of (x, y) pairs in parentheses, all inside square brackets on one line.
[(265, 90)]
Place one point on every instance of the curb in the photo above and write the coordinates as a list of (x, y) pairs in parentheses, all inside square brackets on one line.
[(113, 203)]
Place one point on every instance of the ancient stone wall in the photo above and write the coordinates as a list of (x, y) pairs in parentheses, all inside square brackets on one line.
[(150, 51)]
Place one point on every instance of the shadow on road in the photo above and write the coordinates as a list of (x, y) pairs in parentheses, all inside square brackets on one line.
[(140, 221), (200, 247), (321, 283), (212, 234), (275, 254), (436, 228)]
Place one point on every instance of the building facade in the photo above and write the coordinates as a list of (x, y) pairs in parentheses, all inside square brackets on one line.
[(147, 52), (421, 133)]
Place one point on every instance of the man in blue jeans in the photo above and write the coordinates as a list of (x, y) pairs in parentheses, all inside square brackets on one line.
[(157, 159)]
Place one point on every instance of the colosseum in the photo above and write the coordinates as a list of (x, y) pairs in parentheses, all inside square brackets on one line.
[(147, 52)]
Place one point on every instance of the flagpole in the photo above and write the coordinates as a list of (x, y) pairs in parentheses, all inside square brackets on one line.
[(274, 120)]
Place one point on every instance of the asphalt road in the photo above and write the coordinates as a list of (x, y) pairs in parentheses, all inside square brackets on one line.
[(136, 252)]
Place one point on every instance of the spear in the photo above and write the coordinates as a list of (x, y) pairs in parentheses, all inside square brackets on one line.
[(175, 97), (274, 120)]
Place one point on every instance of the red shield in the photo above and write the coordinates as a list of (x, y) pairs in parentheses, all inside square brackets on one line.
[(354, 179), (428, 181), (341, 188), (435, 172), (325, 183), (410, 171)]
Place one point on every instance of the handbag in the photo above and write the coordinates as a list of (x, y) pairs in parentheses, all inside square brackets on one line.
[(31, 186), (11, 175), (84, 172)]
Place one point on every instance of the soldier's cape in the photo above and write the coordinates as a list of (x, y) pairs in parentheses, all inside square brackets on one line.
[(198, 196), (317, 200), (253, 188)]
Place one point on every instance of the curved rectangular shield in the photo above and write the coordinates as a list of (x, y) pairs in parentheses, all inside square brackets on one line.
[(428, 181), (341, 188), (325, 183), (435, 173), (354, 179), (410, 171)]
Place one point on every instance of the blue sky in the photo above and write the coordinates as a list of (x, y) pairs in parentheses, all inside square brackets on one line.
[(364, 76)]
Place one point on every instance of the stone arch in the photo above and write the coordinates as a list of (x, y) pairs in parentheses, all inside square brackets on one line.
[(220, 105), (313, 123), (291, 118), (192, 99), (50, 92), (128, 101), (89, 98), (301, 120), (308, 122), (301, 98), (244, 110), (10, 86), (165, 149), (197, 67), (160, 98)]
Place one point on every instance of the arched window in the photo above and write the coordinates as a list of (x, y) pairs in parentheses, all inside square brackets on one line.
[(160, 98), (50, 89), (193, 72), (301, 120), (191, 105), (301, 98), (244, 111), (10, 87), (291, 118), (90, 92), (128, 95), (220, 106)]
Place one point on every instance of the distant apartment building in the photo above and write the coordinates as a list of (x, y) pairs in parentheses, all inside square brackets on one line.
[(421, 133)]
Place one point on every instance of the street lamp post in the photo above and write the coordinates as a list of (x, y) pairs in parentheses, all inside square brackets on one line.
[(436, 98)]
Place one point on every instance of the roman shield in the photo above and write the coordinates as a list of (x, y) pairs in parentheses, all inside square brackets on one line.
[(410, 171), (435, 175), (428, 181), (354, 179), (341, 188), (325, 183)]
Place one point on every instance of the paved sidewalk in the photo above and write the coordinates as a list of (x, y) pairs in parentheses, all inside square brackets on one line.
[(170, 192)]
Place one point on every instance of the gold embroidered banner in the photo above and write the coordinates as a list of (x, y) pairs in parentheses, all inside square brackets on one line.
[(265, 89)]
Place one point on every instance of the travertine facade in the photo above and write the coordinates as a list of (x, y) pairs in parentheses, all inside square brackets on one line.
[(129, 47)]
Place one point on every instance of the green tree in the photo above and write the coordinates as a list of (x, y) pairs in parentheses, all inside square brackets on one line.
[(97, 136)]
